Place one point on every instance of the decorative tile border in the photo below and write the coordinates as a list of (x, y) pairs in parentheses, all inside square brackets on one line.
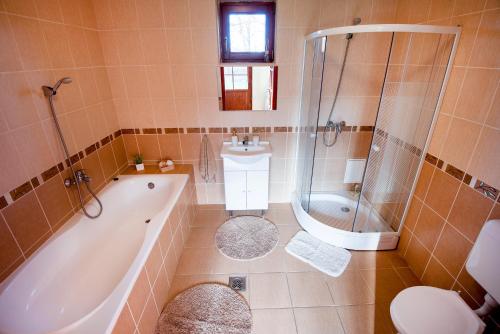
[(48, 174), (238, 129), (463, 177)]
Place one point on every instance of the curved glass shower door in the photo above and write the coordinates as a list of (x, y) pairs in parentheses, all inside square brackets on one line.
[(314, 58), (414, 78), (369, 102)]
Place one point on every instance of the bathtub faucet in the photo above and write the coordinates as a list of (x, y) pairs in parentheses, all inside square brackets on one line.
[(80, 176)]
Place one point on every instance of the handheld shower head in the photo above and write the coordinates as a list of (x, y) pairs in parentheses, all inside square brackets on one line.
[(50, 91), (65, 80)]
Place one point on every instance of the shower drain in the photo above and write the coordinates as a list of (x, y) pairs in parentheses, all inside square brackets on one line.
[(345, 209), (238, 283)]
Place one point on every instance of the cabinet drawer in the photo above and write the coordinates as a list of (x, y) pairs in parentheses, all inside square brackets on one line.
[(231, 165)]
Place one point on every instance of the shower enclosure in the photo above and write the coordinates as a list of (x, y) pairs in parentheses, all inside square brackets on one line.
[(370, 99)]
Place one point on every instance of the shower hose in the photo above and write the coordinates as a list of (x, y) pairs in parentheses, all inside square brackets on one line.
[(66, 152)]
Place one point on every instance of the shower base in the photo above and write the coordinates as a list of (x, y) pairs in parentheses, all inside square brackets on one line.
[(339, 209), (328, 222)]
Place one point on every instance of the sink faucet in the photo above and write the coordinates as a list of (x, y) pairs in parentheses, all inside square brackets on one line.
[(245, 141)]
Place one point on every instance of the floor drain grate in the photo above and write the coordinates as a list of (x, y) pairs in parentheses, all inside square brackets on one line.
[(238, 283), (345, 209)]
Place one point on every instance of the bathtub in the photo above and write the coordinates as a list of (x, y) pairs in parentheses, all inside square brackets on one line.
[(79, 280)]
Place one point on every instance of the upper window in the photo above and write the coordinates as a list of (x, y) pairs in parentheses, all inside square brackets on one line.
[(247, 31)]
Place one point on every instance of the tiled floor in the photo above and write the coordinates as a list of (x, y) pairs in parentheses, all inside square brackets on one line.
[(288, 296)]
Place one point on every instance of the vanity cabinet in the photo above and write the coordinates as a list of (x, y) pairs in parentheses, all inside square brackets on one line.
[(246, 185)]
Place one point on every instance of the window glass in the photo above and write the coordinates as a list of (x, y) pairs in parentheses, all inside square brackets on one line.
[(235, 77), (240, 81), (239, 70), (228, 82), (247, 32)]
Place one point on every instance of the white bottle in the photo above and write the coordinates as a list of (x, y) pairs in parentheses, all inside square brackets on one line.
[(234, 139), (255, 140)]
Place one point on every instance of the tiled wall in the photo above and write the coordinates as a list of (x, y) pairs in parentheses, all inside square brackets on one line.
[(183, 145), (42, 42), (162, 60), (43, 204), (150, 291), (447, 213)]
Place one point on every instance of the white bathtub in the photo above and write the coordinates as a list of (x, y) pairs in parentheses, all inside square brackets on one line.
[(80, 279)]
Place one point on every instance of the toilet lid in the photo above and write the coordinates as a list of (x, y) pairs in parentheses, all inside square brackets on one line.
[(424, 310)]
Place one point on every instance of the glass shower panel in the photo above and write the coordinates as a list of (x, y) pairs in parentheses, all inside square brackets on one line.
[(311, 96), (410, 94), (352, 84)]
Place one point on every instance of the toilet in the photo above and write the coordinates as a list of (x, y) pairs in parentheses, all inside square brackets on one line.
[(428, 310)]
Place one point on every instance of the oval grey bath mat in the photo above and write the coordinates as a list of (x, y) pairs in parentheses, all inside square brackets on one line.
[(206, 309), (246, 237)]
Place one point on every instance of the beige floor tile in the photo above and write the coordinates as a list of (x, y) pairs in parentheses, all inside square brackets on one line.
[(385, 283), (279, 280), (282, 216), (211, 207), (365, 319), (196, 261), (309, 289), (317, 320), (273, 321), (201, 237), (370, 260), (408, 277), (350, 289), (273, 262), (286, 233), (209, 219), (269, 291)]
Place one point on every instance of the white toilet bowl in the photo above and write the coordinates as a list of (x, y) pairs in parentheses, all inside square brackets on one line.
[(428, 310)]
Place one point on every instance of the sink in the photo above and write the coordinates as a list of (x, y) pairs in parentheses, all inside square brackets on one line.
[(246, 153), (246, 148)]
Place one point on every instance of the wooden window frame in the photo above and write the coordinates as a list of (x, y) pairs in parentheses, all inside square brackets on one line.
[(227, 8)]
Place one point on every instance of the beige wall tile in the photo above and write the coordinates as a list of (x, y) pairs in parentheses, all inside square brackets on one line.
[(477, 93), (125, 323), (486, 155), (10, 251), (8, 60), (469, 212), (26, 220), (460, 141), (452, 249), (428, 228), (437, 276)]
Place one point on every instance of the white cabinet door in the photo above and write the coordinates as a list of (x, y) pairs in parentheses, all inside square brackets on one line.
[(235, 190), (257, 190)]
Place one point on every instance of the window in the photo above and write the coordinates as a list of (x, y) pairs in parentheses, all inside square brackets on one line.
[(247, 31), (235, 78)]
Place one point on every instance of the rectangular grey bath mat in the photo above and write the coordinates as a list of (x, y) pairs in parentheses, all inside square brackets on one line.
[(326, 258)]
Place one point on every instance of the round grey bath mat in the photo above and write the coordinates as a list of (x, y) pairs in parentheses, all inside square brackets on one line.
[(246, 237), (208, 309)]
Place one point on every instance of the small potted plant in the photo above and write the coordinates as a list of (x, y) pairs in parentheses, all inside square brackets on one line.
[(139, 162)]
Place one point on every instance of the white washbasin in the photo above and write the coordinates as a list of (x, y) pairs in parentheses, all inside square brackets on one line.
[(246, 153)]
